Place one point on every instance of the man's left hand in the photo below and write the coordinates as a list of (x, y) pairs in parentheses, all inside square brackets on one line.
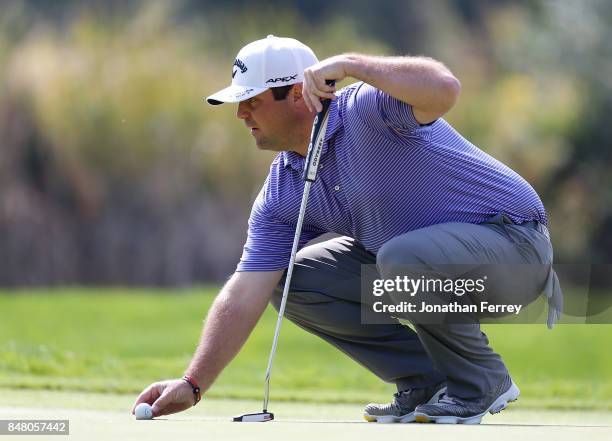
[(314, 88)]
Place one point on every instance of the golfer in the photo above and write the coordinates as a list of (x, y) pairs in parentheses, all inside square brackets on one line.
[(400, 187)]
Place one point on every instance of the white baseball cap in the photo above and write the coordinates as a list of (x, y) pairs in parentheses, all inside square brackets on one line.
[(262, 64)]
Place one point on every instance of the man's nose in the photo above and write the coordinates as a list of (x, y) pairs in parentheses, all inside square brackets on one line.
[(242, 112)]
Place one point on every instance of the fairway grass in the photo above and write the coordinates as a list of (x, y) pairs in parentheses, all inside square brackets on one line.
[(118, 341)]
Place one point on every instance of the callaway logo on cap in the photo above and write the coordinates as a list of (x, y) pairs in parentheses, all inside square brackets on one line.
[(265, 63)]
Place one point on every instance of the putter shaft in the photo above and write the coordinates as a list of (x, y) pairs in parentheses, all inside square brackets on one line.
[(281, 310), (317, 138)]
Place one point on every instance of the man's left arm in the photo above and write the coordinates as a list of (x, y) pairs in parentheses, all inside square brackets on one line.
[(426, 84)]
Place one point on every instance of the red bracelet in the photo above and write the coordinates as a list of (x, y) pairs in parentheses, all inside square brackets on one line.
[(196, 388)]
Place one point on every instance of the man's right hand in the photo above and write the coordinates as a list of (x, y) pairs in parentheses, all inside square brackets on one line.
[(230, 320), (167, 397)]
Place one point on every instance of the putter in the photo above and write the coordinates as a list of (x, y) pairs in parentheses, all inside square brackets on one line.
[(317, 137)]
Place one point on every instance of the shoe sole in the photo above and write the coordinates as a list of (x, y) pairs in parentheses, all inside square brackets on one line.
[(408, 418), (498, 405)]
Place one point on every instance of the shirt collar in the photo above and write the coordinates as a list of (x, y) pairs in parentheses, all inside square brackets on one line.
[(295, 160)]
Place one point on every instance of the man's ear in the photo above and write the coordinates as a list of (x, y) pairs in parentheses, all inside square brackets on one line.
[(296, 92), (297, 97)]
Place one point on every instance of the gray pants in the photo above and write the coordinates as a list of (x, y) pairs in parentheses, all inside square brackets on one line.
[(325, 300)]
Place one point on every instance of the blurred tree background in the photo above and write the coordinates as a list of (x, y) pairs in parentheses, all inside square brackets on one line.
[(113, 170)]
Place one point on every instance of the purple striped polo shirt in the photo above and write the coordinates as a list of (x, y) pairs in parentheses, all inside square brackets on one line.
[(382, 174)]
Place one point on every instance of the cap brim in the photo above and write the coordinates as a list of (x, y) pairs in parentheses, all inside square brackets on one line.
[(234, 94)]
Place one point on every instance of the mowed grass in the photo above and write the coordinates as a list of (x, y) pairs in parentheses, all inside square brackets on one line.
[(120, 340)]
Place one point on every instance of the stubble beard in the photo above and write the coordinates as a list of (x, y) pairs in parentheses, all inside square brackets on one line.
[(266, 143)]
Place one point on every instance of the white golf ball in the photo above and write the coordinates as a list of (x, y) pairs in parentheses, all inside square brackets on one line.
[(143, 411)]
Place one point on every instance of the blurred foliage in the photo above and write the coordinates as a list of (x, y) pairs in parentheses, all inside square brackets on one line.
[(114, 170)]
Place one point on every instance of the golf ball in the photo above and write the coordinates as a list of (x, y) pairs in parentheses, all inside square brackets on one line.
[(143, 411)]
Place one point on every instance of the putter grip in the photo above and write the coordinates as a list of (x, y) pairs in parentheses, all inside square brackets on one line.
[(317, 137)]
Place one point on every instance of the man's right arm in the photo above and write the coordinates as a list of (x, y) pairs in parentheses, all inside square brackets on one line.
[(230, 320)]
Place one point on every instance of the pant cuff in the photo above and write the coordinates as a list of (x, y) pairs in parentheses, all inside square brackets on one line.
[(419, 381)]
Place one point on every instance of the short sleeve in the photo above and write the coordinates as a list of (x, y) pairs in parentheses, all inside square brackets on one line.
[(381, 112), (269, 242)]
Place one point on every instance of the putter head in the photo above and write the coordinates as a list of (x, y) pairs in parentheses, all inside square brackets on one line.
[(260, 417)]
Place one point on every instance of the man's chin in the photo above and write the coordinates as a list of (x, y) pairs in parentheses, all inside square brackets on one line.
[(267, 146)]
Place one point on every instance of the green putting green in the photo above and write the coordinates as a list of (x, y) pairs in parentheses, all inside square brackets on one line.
[(107, 416)]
